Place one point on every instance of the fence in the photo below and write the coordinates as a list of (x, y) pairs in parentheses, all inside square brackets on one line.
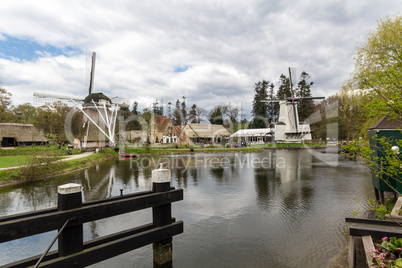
[(71, 213)]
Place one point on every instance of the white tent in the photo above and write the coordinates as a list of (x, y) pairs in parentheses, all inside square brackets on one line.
[(258, 135)]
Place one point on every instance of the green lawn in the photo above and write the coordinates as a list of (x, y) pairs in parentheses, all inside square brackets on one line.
[(13, 160)]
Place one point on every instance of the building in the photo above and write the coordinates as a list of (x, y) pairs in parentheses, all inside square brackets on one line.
[(13, 134), (163, 130), (288, 129), (255, 136), (205, 133)]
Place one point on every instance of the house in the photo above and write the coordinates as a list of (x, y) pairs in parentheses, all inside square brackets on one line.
[(13, 134), (205, 133), (162, 130)]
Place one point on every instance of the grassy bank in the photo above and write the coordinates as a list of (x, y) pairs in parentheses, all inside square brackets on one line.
[(44, 163), (154, 150)]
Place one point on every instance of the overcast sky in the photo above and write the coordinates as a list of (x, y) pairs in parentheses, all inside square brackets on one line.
[(211, 52)]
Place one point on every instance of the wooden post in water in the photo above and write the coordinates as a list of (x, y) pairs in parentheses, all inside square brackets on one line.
[(71, 238), (162, 215)]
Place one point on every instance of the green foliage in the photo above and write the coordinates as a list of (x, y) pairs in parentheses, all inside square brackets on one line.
[(392, 244), (39, 165), (378, 69), (216, 115), (305, 107), (6, 116), (260, 109)]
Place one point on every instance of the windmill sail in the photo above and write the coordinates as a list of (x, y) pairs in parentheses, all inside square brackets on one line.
[(91, 81)]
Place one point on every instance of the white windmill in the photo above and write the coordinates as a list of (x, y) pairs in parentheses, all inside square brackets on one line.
[(288, 129), (97, 108)]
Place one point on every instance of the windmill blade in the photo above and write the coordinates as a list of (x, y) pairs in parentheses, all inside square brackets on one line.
[(44, 98), (295, 116), (312, 98), (270, 100), (292, 79), (91, 82)]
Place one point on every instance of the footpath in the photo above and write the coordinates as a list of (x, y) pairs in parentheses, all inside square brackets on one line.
[(66, 158)]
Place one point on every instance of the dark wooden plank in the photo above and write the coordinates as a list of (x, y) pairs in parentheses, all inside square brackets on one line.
[(23, 227), (115, 248), (377, 234), (373, 221), (50, 210), (95, 242)]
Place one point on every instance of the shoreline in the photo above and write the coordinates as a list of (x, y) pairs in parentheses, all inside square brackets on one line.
[(158, 153)]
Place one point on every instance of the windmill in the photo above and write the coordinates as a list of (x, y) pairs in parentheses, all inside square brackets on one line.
[(97, 108), (288, 128)]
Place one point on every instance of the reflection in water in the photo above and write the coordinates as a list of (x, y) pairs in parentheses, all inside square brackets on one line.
[(266, 209)]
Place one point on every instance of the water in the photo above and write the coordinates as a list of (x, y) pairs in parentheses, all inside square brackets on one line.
[(269, 209)]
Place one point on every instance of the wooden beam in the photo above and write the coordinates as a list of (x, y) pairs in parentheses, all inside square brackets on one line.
[(368, 246), (22, 227), (111, 249)]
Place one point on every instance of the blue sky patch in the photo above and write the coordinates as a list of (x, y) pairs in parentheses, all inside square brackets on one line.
[(181, 69), (25, 49)]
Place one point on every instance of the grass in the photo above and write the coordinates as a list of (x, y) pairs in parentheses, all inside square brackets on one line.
[(44, 165), (13, 160), (211, 148)]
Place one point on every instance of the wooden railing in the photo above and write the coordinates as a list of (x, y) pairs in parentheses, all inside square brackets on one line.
[(71, 213)]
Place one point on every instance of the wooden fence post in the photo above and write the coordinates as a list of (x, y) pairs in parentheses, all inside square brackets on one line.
[(71, 238), (162, 215)]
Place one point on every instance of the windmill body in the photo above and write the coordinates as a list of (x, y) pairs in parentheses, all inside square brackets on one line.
[(288, 129), (100, 113)]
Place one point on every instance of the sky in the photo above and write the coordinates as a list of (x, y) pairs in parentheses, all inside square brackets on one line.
[(210, 52)]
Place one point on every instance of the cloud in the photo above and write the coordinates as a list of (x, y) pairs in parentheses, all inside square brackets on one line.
[(218, 49)]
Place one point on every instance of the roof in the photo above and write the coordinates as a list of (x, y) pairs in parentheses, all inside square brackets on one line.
[(96, 97), (206, 130), (21, 132), (257, 132), (387, 122)]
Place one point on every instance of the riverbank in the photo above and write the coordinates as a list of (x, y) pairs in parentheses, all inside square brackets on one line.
[(42, 167), (40, 163), (156, 151)]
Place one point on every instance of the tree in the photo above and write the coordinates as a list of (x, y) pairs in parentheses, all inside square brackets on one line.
[(272, 107), (260, 109), (201, 114), (378, 69), (5, 101), (193, 114), (305, 107), (232, 114), (378, 77), (50, 119), (216, 116), (184, 111), (26, 113), (177, 115)]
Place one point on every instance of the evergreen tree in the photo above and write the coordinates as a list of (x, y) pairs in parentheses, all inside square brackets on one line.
[(184, 111), (272, 107), (305, 107), (260, 109), (193, 114), (216, 116), (177, 115)]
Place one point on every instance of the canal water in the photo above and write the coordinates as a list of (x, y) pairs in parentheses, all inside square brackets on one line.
[(275, 208)]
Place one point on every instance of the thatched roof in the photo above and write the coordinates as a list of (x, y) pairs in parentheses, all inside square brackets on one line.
[(205, 131), (21, 132)]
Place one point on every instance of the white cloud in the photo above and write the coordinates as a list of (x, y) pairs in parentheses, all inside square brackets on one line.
[(230, 45)]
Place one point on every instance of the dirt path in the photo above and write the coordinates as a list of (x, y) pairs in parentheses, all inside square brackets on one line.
[(65, 158)]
